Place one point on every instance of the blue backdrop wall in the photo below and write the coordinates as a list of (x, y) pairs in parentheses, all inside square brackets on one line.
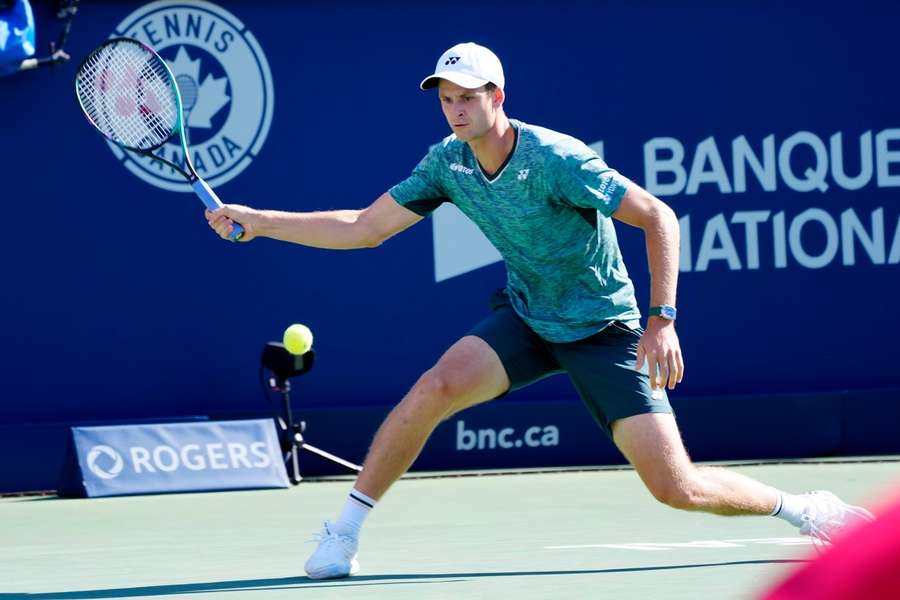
[(772, 131)]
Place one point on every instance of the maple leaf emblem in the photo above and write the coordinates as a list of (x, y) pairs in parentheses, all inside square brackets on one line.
[(201, 101)]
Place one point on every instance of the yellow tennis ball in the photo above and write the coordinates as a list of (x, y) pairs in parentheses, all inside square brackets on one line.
[(298, 339)]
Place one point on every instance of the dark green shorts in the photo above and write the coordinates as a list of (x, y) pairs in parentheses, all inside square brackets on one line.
[(601, 366)]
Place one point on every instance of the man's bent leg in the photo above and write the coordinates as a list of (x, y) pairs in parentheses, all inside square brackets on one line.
[(652, 444), (469, 373)]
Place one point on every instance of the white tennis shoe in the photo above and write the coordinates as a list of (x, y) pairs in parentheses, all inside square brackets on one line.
[(827, 516), (334, 557)]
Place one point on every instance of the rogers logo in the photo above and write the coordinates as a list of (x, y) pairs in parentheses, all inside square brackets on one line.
[(194, 457), (110, 472), (537, 436)]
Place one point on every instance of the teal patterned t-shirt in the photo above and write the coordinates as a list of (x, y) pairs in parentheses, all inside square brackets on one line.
[(547, 211)]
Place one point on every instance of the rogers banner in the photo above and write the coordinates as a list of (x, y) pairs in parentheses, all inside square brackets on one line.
[(118, 460)]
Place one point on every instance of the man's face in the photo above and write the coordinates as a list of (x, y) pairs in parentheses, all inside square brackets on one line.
[(470, 113)]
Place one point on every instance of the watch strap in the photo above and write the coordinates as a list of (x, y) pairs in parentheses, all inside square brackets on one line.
[(666, 311)]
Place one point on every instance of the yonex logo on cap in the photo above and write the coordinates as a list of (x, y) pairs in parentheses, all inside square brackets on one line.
[(452, 60)]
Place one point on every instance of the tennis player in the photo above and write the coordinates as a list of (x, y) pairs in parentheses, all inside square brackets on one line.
[(547, 203)]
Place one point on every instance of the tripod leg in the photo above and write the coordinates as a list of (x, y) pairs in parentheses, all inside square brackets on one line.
[(330, 457), (294, 465), (290, 451)]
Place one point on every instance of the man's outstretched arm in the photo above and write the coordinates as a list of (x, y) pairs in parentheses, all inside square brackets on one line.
[(335, 229), (659, 346)]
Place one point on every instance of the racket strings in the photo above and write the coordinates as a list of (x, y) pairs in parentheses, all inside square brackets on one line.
[(127, 94), (189, 91)]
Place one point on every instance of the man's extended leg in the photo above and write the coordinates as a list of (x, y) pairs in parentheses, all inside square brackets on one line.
[(469, 372), (652, 444)]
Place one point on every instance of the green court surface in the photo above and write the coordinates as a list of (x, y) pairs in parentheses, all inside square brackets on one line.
[(571, 534)]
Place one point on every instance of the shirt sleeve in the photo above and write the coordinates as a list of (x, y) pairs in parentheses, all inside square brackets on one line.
[(584, 180), (422, 192)]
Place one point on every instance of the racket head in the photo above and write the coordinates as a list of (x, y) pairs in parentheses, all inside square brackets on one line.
[(128, 93)]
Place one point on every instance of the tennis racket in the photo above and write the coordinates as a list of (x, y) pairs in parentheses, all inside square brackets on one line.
[(128, 92)]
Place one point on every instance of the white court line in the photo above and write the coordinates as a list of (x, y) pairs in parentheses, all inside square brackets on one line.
[(780, 541), (651, 546)]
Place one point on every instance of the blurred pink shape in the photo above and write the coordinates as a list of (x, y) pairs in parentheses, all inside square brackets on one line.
[(105, 80), (151, 103), (125, 106)]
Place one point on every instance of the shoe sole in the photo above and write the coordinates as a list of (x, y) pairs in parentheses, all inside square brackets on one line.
[(334, 571)]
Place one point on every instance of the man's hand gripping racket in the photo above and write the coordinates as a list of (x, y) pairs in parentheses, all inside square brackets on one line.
[(129, 94)]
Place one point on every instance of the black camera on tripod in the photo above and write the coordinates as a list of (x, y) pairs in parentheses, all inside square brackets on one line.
[(282, 365)]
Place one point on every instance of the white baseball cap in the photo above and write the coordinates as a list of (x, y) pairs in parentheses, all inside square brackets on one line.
[(468, 65)]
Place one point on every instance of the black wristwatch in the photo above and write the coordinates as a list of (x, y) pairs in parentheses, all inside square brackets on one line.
[(666, 311)]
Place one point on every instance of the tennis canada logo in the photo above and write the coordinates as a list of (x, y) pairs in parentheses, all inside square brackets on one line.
[(225, 84), (104, 462)]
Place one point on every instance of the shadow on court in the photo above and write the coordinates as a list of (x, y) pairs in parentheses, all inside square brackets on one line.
[(282, 583)]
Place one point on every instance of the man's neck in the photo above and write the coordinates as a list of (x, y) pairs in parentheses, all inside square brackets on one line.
[(492, 149)]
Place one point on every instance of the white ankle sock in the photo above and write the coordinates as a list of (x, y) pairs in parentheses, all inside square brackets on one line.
[(790, 508), (355, 511)]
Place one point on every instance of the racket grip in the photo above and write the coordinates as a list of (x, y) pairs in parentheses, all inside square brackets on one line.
[(212, 202)]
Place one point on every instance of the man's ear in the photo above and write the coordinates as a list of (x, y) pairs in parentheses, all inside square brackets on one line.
[(499, 96)]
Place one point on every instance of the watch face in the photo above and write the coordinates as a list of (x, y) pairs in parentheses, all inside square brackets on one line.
[(667, 312)]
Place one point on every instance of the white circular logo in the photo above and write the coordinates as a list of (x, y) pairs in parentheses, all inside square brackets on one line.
[(108, 472), (226, 89)]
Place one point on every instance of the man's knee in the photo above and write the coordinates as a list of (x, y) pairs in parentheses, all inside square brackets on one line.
[(468, 373), (435, 392), (681, 492), (435, 385)]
